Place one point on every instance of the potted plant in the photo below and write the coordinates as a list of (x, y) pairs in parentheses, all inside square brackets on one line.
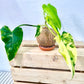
[(46, 39), (67, 49)]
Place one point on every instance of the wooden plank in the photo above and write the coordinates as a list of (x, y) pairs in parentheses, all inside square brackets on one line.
[(32, 43), (74, 82), (46, 76), (22, 83), (68, 82), (57, 82), (22, 50), (79, 44), (29, 43), (34, 57)]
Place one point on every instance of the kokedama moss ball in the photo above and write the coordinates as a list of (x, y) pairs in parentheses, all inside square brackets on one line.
[(46, 38)]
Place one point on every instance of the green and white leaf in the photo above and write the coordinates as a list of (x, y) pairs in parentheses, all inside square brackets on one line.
[(51, 23), (51, 11), (12, 40), (68, 50)]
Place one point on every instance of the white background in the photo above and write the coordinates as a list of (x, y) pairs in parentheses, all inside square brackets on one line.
[(15, 12)]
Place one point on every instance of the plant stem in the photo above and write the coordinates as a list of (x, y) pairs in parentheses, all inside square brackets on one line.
[(51, 31), (28, 25)]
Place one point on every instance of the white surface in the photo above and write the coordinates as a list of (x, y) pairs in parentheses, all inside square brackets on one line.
[(15, 12), (6, 78)]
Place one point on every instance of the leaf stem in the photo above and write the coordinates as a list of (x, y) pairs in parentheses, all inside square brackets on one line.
[(28, 25)]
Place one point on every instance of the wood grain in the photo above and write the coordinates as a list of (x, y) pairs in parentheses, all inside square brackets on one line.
[(32, 65), (45, 76), (34, 57), (32, 43), (22, 83), (57, 82)]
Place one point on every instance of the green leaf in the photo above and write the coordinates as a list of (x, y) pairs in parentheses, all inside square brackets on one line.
[(51, 11), (68, 50), (38, 30), (51, 23), (12, 40)]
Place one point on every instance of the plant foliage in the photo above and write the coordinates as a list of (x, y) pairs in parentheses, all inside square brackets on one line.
[(12, 40), (65, 41)]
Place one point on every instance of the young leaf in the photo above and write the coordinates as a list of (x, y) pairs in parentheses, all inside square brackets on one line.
[(68, 50), (12, 40), (51, 23), (38, 30), (51, 11)]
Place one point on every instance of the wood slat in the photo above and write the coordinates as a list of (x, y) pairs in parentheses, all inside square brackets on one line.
[(29, 43), (79, 44), (32, 43), (25, 82), (22, 83), (74, 82), (22, 50), (57, 82), (46, 76), (34, 57)]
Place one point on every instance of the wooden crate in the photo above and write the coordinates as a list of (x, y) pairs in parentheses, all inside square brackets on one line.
[(34, 66)]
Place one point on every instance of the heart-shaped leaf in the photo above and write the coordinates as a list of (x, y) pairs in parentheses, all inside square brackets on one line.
[(12, 40)]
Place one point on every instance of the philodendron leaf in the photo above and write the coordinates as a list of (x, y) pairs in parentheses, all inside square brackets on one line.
[(51, 11), (12, 40), (38, 30), (51, 23), (68, 50)]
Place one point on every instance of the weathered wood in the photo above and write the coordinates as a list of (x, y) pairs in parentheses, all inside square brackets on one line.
[(79, 44), (57, 82), (26, 83), (32, 43), (34, 57), (45, 76), (22, 83), (45, 66), (22, 50), (74, 82)]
